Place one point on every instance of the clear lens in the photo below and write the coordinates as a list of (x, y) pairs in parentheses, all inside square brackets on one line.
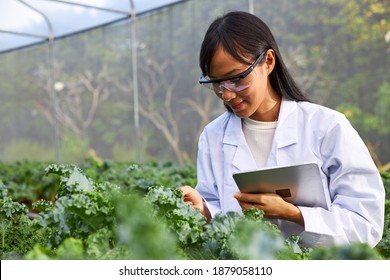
[(236, 85), (211, 86)]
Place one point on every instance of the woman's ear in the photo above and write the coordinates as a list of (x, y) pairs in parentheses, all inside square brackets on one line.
[(270, 60)]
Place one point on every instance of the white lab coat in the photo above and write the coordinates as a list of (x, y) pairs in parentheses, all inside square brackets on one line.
[(305, 132)]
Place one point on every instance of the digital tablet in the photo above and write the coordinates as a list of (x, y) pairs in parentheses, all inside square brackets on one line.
[(298, 184)]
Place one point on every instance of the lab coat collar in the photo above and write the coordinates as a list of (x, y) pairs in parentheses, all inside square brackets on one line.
[(236, 146), (287, 129), (233, 133), (285, 135)]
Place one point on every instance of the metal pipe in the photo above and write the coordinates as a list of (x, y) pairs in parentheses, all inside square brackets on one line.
[(251, 7), (90, 6), (24, 34), (42, 14), (57, 136), (135, 80)]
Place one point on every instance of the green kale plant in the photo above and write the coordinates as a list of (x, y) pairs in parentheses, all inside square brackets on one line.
[(383, 246), (91, 220), (355, 251), (18, 233), (140, 234), (248, 236), (118, 210), (26, 181), (182, 219), (81, 206)]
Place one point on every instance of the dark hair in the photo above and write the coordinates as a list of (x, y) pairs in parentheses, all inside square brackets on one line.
[(244, 35)]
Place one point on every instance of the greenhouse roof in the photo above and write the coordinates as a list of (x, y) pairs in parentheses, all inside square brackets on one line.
[(27, 22)]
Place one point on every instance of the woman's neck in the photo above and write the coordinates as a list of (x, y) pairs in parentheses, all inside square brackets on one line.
[(269, 111)]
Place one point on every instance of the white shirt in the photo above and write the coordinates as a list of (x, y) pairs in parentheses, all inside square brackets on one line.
[(305, 132), (259, 136)]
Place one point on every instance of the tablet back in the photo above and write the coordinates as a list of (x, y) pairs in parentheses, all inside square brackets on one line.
[(298, 184)]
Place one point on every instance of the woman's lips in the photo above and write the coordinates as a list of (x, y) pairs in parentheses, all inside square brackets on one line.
[(236, 106)]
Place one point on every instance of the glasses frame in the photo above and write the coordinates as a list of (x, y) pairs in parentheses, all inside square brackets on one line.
[(242, 75)]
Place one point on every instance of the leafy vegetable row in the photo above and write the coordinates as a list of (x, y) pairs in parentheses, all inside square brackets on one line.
[(129, 211)]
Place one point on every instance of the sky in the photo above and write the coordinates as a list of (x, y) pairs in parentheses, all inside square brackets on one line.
[(65, 19)]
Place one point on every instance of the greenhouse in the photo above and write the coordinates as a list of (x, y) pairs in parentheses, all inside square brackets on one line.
[(98, 87), (100, 105)]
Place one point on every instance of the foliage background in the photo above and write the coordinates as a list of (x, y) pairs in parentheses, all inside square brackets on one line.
[(337, 50)]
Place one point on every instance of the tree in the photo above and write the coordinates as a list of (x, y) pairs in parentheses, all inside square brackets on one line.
[(76, 111)]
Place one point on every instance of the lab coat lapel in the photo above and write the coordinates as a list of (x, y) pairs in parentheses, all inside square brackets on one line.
[(286, 134), (236, 149)]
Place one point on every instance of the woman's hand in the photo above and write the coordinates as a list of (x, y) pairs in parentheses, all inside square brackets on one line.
[(193, 197), (272, 204)]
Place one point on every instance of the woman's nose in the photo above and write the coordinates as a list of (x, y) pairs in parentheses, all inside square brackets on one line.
[(226, 94)]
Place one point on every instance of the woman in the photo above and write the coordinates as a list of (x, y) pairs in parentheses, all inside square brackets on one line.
[(269, 123)]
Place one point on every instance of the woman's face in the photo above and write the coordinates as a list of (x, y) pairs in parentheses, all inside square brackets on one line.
[(258, 100)]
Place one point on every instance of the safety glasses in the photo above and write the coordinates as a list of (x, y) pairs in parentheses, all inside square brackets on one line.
[(234, 83)]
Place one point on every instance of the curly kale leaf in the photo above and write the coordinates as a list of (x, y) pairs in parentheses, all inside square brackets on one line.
[(13, 219), (72, 179), (186, 222), (81, 207), (248, 236), (138, 230), (18, 233)]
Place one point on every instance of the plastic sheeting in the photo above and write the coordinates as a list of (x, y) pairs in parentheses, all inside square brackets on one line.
[(26, 22)]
